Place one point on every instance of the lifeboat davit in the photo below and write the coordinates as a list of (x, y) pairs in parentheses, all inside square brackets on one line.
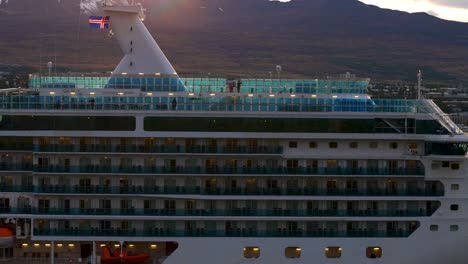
[(6, 237), (121, 257)]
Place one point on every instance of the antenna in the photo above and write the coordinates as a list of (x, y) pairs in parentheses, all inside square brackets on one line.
[(419, 84)]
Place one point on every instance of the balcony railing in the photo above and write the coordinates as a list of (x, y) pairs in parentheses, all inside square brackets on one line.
[(231, 170), (200, 232), (15, 167), (179, 190), (219, 212), (198, 149)]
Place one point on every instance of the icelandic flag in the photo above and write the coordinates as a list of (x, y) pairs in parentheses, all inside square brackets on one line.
[(99, 22)]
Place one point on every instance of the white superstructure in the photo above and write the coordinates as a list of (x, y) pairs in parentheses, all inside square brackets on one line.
[(225, 170)]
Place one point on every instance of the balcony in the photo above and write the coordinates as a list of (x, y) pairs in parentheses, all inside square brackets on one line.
[(276, 212), (200, 232), (259, 170), (163, 149), (179, 190), (15, 167)]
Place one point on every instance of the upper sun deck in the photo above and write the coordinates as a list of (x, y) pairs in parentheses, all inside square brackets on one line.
[(343, 84)]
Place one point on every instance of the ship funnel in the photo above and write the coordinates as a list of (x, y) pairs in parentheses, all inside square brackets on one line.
[(142, 53)]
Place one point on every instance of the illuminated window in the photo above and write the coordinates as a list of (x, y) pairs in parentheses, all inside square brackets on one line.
[(251, 252), (333, 252), (412, 145), (374, 252), (293, 252)]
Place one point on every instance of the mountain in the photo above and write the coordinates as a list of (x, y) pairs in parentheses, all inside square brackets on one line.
[(306, 37)]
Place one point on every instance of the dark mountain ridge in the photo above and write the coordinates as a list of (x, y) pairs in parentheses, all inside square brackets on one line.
[(305, 37)]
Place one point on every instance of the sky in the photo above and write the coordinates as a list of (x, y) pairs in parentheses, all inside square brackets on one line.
[(446, 9)]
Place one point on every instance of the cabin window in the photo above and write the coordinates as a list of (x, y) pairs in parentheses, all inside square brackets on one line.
[(455, 187), (293, 144), (393, 145), (333, 252), (353, 145), (251, 252), (292, 252), (434, 228), (374, 252), (373, 145), (412, 145), (454, 207), (445, 164), (455, 166), (333, 144), (312, 144), (454, 228)]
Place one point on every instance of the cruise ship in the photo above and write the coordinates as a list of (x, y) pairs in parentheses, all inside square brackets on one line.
[(145, 166)]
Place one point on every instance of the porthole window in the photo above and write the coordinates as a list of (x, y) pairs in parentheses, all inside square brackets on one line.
[(393, 145), (293, 144), (333, 252), (445, 164), (455, 187), (454, 207), (353, 145), (312, 144), (455, 166), (374, 252), (251, 252), (293, 252), (434, 227), (373, 145), (333, 144), (454, 228)]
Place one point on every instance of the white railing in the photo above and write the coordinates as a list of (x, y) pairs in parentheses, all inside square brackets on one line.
[(444, 119)]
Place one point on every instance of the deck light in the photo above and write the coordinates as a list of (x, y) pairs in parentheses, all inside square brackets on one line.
[(117, 245), (131, 245), (141, 74), (120, 93), (24, 244), (335, 96), (149, 94), (153, 246), (92, 93), (191, 94), (250, 95), (212, 94), (52, 93), (314, 96), (157, 74), (171, 94), (256, 249), (102, 245), (272, 95), (36, 245), (124, 73), (298, 249), (72, 93), (47, 245), (59, 245), (71, 245), (356, 96), (293, 95)]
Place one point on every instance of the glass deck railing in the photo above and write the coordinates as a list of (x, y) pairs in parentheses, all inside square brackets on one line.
[(172, 83), (168, 190), (229, 170), (202, 149), (228, 213), (160, 232), (206, 102)]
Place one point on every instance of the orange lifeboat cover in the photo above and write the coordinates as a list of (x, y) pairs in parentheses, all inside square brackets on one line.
[(5, 232)]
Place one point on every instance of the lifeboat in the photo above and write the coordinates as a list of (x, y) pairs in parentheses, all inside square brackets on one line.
[(6, 237), (121, 257)]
